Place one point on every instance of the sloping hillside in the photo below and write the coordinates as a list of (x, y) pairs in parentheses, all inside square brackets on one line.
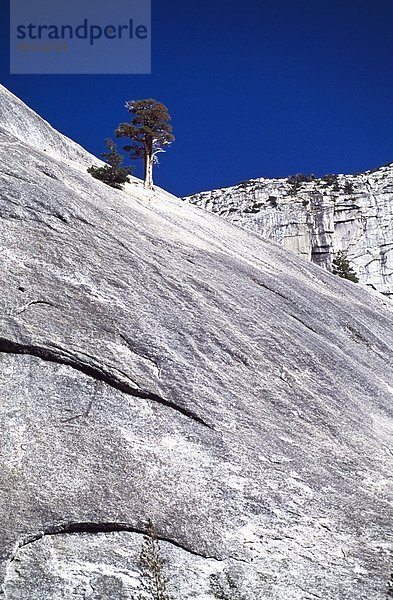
[(159, 362)]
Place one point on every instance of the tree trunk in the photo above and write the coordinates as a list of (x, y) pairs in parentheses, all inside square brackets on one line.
[(148, 171)]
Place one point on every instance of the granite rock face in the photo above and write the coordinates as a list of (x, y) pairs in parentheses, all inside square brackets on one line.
[(159, 362), (317, 218)]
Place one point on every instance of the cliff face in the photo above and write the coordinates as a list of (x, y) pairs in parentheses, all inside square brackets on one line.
[(318, 218), (158, 362)]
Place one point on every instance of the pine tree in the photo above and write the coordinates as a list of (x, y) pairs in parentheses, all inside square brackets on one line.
[(342, 268), (153, 581), (112, 173), (149, 131)]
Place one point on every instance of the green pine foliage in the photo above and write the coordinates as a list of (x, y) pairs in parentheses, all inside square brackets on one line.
[(153, 580), (331, 180), (342, 268), (149, 132), (348, 187), (113, 174)]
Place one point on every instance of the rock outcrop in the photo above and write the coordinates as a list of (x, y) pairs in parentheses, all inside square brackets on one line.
[(317, 218), (157, 362)]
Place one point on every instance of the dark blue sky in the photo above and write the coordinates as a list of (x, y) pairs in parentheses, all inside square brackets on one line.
[(262, 88)]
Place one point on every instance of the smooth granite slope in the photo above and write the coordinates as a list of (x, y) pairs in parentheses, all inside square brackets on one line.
[(158, 362)]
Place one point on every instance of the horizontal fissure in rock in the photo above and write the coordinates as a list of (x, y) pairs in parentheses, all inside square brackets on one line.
[(62, 356), (103, 527)]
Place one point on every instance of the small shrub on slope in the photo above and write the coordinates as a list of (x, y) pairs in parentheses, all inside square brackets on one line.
[(112, 174), (342, 268), (153, 580)]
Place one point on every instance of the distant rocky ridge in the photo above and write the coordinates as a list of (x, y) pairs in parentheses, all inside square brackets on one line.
[(317, 218)]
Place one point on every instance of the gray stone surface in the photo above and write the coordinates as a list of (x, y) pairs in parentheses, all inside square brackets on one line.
[(159, 362), (353, 213)]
